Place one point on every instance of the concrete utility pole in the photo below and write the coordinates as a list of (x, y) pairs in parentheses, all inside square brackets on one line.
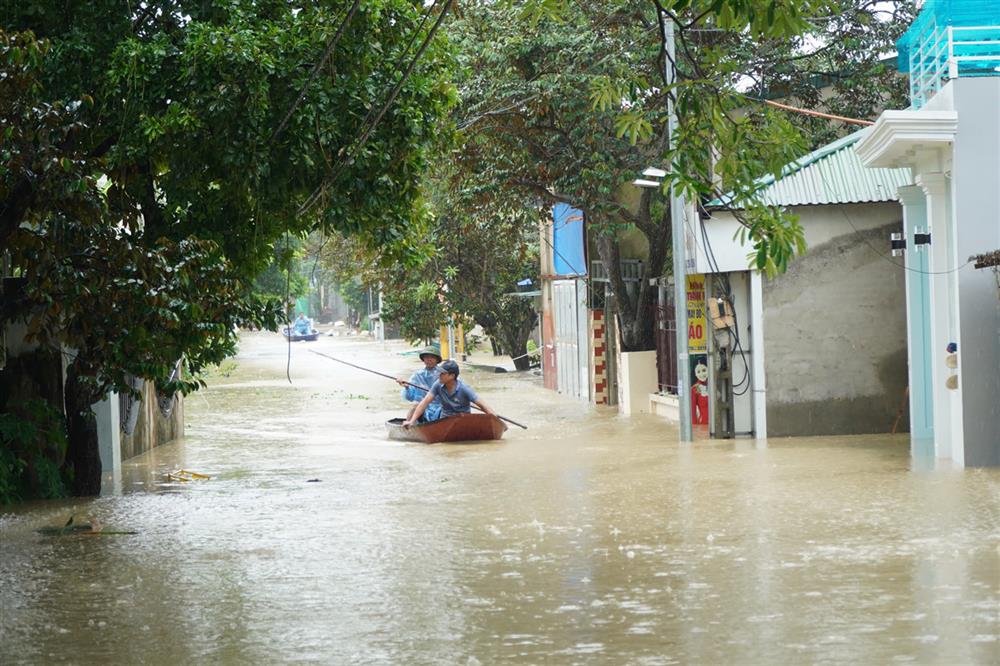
[(677, 215)]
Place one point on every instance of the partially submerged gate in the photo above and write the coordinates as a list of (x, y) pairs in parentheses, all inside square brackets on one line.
[(572, 342)]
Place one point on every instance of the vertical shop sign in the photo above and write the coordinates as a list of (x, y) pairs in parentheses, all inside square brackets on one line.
[(697, 329)]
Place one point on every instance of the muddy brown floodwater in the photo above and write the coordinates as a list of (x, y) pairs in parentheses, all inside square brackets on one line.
[(586, 539)]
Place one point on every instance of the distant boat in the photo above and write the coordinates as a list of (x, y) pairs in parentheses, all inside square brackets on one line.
[(300, 337), (461, 428)]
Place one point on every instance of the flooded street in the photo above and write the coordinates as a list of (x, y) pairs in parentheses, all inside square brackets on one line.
[(586, 539)]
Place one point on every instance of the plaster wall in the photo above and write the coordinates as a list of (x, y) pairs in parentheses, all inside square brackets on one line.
[(835, 327), (632, 244), (153, 428), (637, 381), (821, 224), (728, 253), (976, 207)]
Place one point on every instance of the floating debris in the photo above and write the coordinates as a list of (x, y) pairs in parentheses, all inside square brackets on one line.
[(91, 528), (186, 475)]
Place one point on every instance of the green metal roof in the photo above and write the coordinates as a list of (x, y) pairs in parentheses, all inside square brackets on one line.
[(831, 175)]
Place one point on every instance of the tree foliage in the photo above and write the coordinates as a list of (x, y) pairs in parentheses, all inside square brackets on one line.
[(486, 245), (473, 256), (189, 98), (153, 155), (571, 110)]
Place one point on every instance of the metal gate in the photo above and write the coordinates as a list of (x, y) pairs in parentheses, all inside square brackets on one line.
[(666, 347), (572, 342)]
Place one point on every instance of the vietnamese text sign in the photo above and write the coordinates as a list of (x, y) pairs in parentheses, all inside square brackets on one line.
[(697, 342)]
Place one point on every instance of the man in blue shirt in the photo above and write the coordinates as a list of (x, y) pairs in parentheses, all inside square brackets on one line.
[(455, 396), (302, 325), (425, 378)]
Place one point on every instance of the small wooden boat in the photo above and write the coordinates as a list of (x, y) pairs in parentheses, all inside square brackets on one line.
[(300, 337), (461, 428)]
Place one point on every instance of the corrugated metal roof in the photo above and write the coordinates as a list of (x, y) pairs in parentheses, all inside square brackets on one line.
[(831, 175)]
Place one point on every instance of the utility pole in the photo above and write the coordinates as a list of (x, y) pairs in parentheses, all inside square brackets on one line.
[(677, 223)]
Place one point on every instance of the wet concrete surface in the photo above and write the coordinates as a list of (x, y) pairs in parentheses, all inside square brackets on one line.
[(586, 539)]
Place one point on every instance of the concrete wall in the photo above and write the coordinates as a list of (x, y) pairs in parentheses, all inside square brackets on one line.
[(976, 206), (835, 327), (728, 254), (153, 428), (34, 373), (636, 381)]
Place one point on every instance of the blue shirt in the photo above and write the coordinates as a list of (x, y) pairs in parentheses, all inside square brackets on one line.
[(456, 402), (427, 379)]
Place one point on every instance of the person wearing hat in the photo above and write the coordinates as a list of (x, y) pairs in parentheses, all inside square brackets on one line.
[(455, 396), (425, 378)]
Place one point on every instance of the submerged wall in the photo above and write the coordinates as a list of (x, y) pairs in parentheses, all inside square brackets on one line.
[(153, 428), (31, 372), (835, 327)]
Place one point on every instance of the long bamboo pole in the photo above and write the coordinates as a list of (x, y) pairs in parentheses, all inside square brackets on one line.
[(382, 374)]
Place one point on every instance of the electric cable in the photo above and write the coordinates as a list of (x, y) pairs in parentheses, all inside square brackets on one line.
[(346, 154), (331, 45), (733, 331), (895, 263)]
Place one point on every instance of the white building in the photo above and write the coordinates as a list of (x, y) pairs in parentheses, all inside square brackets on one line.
[(820, 349), (950, 140)]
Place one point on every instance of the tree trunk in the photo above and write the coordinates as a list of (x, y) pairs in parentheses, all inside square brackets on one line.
[(635, 323), (514, 323), (634, 308), (516, 344), (83, 453)]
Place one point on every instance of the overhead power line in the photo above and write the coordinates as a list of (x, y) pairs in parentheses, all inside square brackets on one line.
[(347, 154), (810, 112), (331, 45)]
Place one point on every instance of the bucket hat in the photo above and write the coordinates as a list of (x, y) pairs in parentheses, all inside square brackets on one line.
[(430, 350)]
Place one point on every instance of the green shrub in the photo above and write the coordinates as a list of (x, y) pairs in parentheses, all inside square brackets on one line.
[(32, 449)]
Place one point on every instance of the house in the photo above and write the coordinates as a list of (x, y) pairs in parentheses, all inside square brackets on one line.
[(566, 313), (949, 139), (580, 355), (820, 349)]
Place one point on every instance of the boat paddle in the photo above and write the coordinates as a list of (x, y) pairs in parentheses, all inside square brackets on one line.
[(382, 374)]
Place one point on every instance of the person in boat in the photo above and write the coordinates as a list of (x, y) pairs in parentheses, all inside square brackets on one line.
[(424, 378), (302, 325), (456, 396)]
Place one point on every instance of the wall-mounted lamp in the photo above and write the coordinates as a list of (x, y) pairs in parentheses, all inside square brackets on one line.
[(922, 239), (897, 243)]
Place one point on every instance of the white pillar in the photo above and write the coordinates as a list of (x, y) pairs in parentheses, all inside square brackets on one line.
[(757, 358), (918, 323), (943, 304), (109, 443)]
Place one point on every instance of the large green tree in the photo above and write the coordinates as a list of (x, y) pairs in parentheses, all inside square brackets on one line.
[(154, 153), (473, 255), (487, 242), (573, 108)]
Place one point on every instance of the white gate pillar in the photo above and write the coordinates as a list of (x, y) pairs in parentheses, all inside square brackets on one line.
[(944, 315)]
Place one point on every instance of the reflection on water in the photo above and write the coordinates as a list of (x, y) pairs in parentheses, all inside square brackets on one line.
[(588, 538)]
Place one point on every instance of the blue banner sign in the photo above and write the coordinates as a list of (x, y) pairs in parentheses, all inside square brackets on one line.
[(568, 240)]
